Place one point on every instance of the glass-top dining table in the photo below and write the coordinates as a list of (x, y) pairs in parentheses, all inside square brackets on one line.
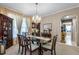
[(41, 41)]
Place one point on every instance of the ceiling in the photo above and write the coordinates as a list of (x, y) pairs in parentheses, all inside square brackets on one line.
[(44, 9)]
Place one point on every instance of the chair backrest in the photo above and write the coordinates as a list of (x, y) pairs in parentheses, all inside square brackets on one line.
[(24, 33), (19, 39), (54, 42)]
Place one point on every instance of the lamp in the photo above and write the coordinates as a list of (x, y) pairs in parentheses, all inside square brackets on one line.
[(36, 18)]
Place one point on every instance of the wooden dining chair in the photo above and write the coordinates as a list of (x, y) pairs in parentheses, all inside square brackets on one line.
[(32, 47), (19, 42), (22, 43), (50, 46), (26, 44)]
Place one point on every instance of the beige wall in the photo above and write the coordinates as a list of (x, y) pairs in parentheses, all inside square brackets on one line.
[(55, 19)]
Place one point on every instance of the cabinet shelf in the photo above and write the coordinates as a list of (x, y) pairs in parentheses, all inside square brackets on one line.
[(36, 29)]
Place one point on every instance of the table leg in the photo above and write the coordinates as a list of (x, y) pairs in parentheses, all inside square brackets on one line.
[(40, 49)]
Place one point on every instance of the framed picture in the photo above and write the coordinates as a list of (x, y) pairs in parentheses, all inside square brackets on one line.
[(47, 26)]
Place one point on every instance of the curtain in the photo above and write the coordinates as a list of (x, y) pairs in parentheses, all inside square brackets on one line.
[(19, 23), (24, 27), (28, 21), (27, 25)]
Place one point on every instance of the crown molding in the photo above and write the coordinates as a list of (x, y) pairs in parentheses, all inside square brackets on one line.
[(62, 10)]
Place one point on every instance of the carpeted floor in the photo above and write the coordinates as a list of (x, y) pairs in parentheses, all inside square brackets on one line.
[(61, 49)]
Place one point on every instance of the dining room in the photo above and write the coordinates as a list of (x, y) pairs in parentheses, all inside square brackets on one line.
[(36, 28)]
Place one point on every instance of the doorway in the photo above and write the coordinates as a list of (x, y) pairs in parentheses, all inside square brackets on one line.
[(67, 31)]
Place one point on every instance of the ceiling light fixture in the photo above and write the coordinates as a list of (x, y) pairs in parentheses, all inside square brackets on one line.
[(36, 18)]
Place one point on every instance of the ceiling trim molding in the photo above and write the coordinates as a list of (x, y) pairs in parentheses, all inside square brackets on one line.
[(62, 10), (14, 11)]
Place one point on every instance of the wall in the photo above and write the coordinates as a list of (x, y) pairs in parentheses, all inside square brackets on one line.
[(55, 19)]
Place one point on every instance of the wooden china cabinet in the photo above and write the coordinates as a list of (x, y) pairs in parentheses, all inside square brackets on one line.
[(36, 29), (6, 30)]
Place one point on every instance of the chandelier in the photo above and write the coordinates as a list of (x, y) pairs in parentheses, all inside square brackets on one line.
[(36, 18)]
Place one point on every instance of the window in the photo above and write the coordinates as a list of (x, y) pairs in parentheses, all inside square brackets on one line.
[(24, 27)]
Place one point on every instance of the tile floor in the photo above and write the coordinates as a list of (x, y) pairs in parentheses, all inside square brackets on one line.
[(61, 49)]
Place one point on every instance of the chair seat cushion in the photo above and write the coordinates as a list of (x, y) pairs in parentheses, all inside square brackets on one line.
[(47, 46), (33, 47)]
